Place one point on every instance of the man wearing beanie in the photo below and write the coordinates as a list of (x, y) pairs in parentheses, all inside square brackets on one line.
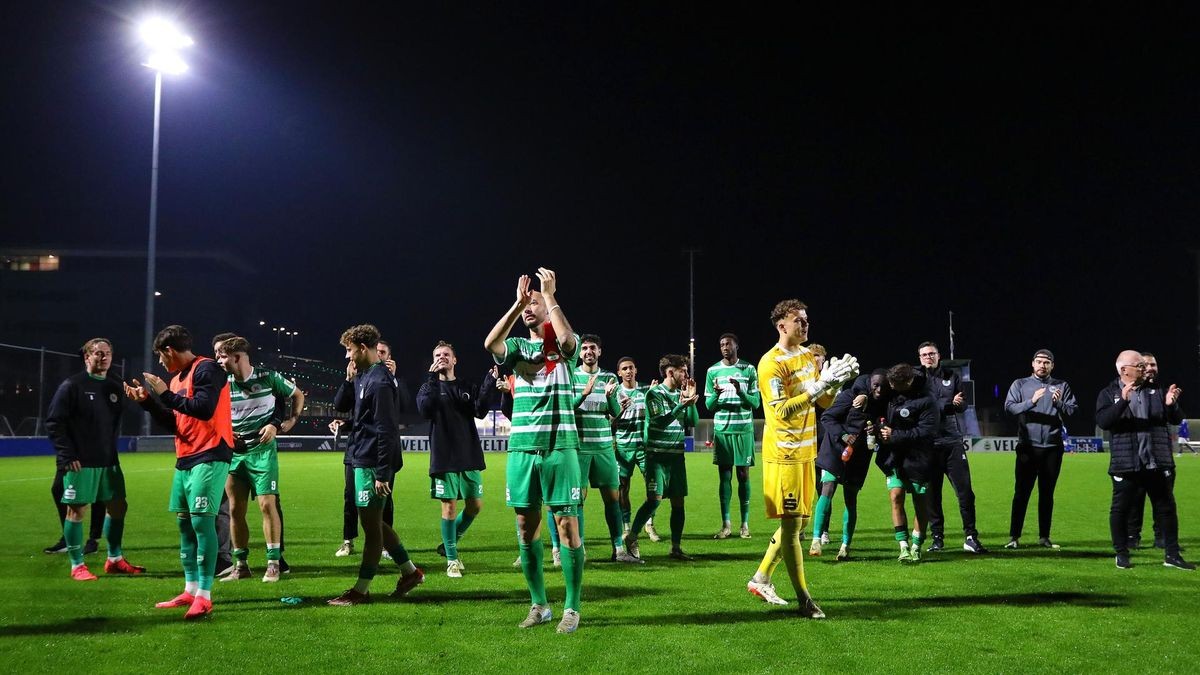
[(1039, 402)]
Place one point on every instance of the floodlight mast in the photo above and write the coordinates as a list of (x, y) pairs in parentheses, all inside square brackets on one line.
[(164, 39)]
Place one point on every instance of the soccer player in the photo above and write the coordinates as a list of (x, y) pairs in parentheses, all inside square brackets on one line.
[(844, 455), (197, 410), (253, 392), (628, 430), (670, 406), (455, 455), (84, 421), (731, 394), (374, 451), (788, 377), (543, 457), (596, 404), (906, 454)]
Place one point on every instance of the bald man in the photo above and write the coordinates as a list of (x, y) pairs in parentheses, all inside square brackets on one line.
[(1136, 413)]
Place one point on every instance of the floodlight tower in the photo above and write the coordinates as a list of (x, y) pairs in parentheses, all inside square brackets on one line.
[(164, 40)]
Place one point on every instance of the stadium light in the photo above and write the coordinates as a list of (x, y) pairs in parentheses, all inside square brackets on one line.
[(164, 39)]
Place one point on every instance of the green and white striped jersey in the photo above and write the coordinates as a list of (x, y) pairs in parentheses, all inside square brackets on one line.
[(732, 412), (543, 401), (664, 430), (631, 424), (253, 404), (592, 414)]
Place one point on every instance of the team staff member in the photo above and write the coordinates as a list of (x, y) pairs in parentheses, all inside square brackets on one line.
[(945, 387), (455, 455), (84, 422), (906, 454), (1039, 402), (1140, 457), (373, 450), (196, 408)]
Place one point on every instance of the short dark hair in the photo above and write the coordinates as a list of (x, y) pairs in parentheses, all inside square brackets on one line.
[(91, 344), (234, 345), (174, 336), (785, 307), (592, 338), (901, 373), (1148, 355), (927, 343), (671, 361), (441, 343), (221, 337), (362, 334), (623, 359), (731, 336), (385, 343)]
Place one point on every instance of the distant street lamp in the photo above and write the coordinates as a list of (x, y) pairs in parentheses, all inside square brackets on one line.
[(164, 41)]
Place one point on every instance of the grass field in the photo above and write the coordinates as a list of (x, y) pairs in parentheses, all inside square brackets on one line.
[(1010, 611)]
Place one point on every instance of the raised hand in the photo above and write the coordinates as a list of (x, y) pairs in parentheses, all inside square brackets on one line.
[(591, 384), (610, 388), (524, 293), (1037, 395), (1173, 393), (156, 383), (548, 281), (137, 392)]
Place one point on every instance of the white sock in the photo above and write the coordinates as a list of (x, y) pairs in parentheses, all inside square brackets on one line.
[(76, 566), (408, 568), (362, 585), (201, 593), (760, 578), (115, 558), (191, 587)]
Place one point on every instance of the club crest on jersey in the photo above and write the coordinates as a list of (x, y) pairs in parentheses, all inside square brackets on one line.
[(112, 398), (905, 412)]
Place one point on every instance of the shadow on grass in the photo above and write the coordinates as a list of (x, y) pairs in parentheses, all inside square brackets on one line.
[(84, 625), (868, 608)]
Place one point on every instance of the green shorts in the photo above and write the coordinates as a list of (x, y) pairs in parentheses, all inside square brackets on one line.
[(827, 477), (666, 474), (599, 470), (456, 485), (364, 489), (93, 484), (913, 487), (736, 449), (550, 477), (198, 490), (259, 469), (629, 457)]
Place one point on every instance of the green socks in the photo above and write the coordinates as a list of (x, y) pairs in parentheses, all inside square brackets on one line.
[(612, 517), (274, 552), (901, 533), (644, 514), (450, 538), (849, 520), (532, 555), (241, 554), (400, 554), (206, 549), (114, 530), (744, 500), (187, 551), (572, 567), (73, 535), (725, 491), (821, 515), (461, 524)]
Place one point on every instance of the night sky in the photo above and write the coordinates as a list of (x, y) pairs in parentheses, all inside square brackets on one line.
[(1034, 171)]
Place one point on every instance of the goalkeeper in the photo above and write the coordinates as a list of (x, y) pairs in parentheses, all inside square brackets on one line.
[(791, 386)]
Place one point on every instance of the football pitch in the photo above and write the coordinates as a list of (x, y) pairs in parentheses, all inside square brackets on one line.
[(1027, 610)]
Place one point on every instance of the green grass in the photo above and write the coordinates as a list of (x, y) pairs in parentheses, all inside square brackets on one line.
[(1011, 611)]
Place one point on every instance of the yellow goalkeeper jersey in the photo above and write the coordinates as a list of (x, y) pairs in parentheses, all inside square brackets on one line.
[(790, 434)]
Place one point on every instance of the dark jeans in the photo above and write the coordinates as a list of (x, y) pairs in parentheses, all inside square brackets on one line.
[(1035, 465), (1159, 485), (96, 527), (350, 507), (952, 464)]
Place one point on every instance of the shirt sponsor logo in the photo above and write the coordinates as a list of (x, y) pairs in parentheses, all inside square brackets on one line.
[(904, 412)]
